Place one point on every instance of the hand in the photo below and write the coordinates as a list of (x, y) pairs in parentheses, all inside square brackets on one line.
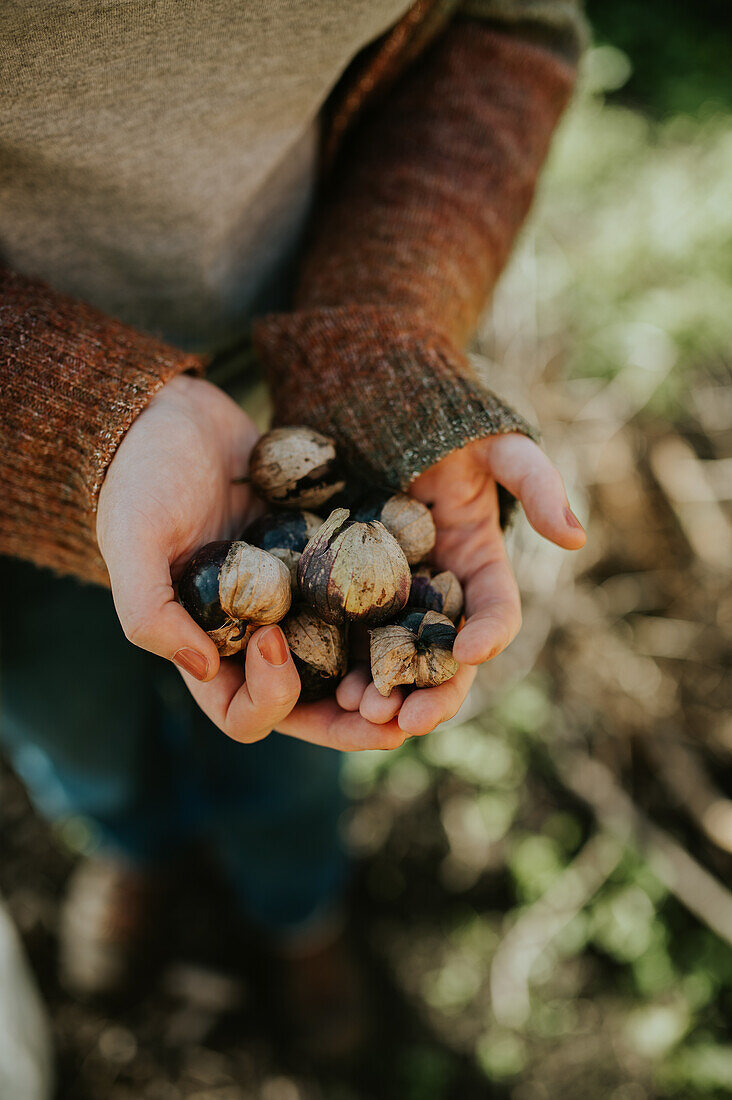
[(169, 489), (464, 498)]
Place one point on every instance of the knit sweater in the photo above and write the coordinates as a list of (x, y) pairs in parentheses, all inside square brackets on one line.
[(427, 190)]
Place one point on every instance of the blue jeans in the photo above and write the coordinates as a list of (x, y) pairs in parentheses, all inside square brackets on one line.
[(102, 732)]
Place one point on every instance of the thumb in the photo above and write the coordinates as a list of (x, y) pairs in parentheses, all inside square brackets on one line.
[(150, 615), (517, 463)]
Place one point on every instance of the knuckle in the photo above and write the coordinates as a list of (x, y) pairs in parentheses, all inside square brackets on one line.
[(274, 700), (137, 629), (282, 698)]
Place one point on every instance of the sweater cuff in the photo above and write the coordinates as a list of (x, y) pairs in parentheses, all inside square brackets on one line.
[(73, 381), (390, 388)]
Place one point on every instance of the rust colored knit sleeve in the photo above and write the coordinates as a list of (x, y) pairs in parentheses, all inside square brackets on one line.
[(71, 383), (425, 203)]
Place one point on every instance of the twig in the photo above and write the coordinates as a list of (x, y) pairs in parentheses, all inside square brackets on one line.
[(699, 891), (692, 789)]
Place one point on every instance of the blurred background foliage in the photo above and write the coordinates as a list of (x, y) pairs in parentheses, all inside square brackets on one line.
[(543, 883)]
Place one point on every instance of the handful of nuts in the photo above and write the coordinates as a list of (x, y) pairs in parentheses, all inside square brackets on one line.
[(317, 574)]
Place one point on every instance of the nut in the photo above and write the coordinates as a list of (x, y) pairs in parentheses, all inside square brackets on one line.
[(407, 519), (352, 570), (233, 637), (295, 468), (318, 650), (198, 586), (416, 649), (227, 585), (284, 535), (253, 585), (436, 591)]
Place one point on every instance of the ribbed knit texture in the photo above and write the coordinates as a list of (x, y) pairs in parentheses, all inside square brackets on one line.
[(424, 207), (427, 195), (390, 387), (73, 381)]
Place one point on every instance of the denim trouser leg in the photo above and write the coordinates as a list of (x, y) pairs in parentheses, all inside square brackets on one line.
[(100, 730), (275, 826)]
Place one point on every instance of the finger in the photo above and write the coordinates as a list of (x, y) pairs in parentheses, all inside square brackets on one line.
[(493, 600), (518, 464), (325, 723), (150, 615), (250, 704), (378, 708), (349, 692), (322, 723), (423, 710)]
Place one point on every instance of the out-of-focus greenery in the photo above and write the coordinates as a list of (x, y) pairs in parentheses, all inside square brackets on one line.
[(678, 53), (632, 985), (632, 245), (463, 833), (634, 236)]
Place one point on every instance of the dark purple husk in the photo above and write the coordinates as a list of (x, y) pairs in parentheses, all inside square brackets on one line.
[(313, 577), (352, 495), (198, 587), (371, 504), (314, 685), (278, 531), (423, 595), (440, 635)]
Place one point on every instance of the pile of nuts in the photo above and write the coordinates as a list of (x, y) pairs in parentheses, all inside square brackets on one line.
[(319, 578)]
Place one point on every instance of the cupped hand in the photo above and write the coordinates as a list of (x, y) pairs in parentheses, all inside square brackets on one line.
[(170, 488), (462, 491)]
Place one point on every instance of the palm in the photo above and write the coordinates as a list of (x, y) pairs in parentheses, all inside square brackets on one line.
[(189, 467), (464, 498), (462, 492), (173, 486), (170, 489)]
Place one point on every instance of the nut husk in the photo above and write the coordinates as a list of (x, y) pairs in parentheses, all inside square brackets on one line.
[(436, 591), (416, 649), (284, 535), (318, 650), (225, 585), (407, 519), (254, 585), (295, 467), (233, 637), (352, 570), (198, 586)]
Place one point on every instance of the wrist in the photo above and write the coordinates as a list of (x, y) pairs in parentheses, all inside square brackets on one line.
[(395, 391)]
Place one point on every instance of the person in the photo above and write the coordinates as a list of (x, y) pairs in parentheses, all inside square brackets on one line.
[(344, 180)]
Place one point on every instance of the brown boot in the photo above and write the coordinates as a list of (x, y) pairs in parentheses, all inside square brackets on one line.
[(324, 996), (108, 927)]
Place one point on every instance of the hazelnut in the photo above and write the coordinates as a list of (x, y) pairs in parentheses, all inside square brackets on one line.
[(253, 585)]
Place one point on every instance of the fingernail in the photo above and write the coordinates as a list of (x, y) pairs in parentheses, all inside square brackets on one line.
[(273, 647), (190, 660), (572, 520)]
